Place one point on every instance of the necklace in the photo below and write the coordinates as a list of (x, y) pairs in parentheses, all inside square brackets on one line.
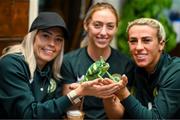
[(42, 86)]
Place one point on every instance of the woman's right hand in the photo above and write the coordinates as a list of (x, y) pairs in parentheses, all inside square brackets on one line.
[(98, 87)]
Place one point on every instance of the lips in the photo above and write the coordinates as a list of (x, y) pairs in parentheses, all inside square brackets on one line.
[(101, 40), (48, 51), (141, 57)]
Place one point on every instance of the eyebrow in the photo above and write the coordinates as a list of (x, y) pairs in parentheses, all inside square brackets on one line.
[(60, 35), (146, 37), (141, 37), (96, 21), (132, 37), (47, 32)]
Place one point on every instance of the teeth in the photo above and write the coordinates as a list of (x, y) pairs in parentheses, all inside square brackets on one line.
[(103, 39), (48, 51), (140, 56)]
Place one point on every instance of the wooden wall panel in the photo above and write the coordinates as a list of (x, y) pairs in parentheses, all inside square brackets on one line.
[(13, 21), (5, 29)]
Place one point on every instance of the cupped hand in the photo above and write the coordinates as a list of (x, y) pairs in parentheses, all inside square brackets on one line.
[(123, 82), (98, 87), (123, 92)]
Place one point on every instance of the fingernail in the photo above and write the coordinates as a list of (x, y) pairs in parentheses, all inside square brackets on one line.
[(123, 75)]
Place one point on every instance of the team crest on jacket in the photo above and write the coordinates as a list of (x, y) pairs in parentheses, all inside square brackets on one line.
[(52, 86)]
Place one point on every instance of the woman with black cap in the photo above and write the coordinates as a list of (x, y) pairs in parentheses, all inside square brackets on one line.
[(30, 85)]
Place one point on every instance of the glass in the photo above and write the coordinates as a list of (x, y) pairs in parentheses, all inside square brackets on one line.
[(75, 115)]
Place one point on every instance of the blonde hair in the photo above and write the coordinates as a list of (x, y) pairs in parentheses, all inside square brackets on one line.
[(26, 48), (152, 23), (96, 7)]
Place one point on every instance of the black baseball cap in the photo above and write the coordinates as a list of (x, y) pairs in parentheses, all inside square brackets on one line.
[(49, 19)]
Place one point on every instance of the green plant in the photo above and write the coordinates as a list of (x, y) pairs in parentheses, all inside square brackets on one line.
[(133, 9)]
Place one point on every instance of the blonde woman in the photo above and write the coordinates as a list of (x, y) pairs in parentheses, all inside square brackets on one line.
[(155, 90), (30, 82), (100, 24)]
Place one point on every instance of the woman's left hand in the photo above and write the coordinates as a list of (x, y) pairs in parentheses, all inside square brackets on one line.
[(98, 87)]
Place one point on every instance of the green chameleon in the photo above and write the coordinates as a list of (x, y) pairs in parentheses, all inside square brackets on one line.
[(98, 69)]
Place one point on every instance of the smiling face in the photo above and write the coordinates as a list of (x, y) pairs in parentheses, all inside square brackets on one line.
[(101, 28), (145, 46), (47, 45)]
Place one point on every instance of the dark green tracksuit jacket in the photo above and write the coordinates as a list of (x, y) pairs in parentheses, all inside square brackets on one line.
[(22, 98), (156, 95), (75, 66)]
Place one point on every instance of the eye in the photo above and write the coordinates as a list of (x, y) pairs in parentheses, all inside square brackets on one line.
[(97, 25), (110, 26), (132, 41), (59, 39), (45, 35), (146, 40)]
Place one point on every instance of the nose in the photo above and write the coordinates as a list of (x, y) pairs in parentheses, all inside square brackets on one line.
[(52, 42), (103, 31), (139, 45)]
